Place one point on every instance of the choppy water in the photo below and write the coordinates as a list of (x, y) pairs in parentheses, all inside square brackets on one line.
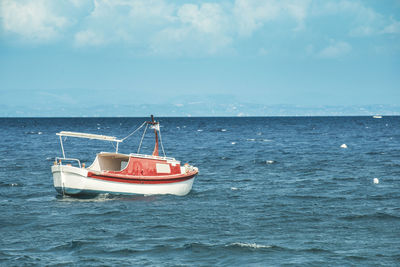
[(271, 191)]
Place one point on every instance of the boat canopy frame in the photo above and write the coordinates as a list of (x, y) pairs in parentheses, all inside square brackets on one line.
[(88, 136)]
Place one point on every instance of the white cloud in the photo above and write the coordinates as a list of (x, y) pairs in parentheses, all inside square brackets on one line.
[(362, 30), (32, 20), (88, 37), (252, 15), (186, 41), (364, 20), (79, 3), (131, 22), (181, 28), (208, 18), (392, 28), (159, 24), (155, 10), (191, 27), (335, 49), (299, 11), (203, 28)]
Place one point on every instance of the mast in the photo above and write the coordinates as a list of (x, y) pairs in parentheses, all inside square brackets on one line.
[(155, 124)]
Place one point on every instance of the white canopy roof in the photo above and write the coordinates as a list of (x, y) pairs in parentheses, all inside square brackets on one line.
[(90, 136)]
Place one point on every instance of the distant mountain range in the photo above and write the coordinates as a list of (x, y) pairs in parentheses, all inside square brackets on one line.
[(200, 108)]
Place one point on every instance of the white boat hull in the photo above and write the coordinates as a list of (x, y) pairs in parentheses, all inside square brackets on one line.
[(71, 180)]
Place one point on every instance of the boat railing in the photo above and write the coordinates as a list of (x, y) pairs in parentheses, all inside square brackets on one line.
[(151, 157), (60, 160)]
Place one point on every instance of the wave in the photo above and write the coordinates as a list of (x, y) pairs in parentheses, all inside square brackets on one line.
[(343, 178), (377, 216), (250, 245), (236, 246), (34, 132), (40, 199), (389, 196), (372, 153), (357, 258), (259, 140), (71, 245), (84, 198), (315, 250), (124, 251), (195, 246), (3, 184), (264, 162), (313, 197), (108, 197)]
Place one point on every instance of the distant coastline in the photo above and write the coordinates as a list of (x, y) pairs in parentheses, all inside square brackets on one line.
[(199, 110), (199, 117)]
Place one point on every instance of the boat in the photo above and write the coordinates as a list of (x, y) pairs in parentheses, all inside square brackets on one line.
[(117, 173), (377, 116)]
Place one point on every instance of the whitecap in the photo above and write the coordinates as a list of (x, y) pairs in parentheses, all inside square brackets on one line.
[(11, 184), (199, 130), (251, 139), (270, 162), (39, 133), (98, 198), (250, 245), (233, 143), (234, 188), (223, 130), (376, 181), (267, 140), (343, 146)]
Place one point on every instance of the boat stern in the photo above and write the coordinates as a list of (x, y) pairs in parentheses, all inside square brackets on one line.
[(68, 179)]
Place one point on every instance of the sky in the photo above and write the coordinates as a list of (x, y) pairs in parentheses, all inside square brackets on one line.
[(204, 58)]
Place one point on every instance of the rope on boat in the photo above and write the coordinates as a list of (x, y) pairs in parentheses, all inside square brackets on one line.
[(141, 140), (162, 147), (112, 143), (129, 135)]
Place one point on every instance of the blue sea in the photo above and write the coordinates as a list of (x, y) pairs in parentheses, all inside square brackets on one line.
[(271, 191)]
